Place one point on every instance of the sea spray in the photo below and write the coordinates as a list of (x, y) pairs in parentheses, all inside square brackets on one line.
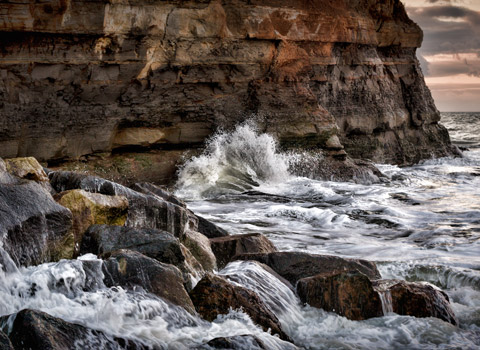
[(233, 162)]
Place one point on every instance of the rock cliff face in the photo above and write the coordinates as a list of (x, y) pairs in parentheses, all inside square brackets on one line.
[(85, 76)]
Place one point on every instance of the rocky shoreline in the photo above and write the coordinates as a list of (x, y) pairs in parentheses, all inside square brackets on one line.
[(144, 239)]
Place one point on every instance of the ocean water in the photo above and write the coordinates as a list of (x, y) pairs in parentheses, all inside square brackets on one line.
[(422, 223)]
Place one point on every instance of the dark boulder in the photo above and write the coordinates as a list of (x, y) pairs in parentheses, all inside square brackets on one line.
[(294, 266), (149, 188), (34, 226), (349, 294), (242, 342), (214, 296), (145, 210), (131, 269), (209, 229), (417, 299), (5, 343), (156, 244), (35, 330), (225, 248)]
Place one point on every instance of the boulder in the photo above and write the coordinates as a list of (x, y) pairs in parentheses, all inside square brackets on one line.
[(294, 266), (156, 244), (199, 246), (225, 248), (131, 269), (417, 299), (145, 210), (33, 225), (26, 168), (91, 208), (242, 342), (149, 188), (35, 330), (5, 343), (348, 294), (209, 229), (214, 296)]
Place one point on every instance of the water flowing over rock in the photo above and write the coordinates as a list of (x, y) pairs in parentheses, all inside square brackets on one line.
[(294, 266), (83, 77), (35, 330), (214, 296), (418, 299), (242, 342), (347, 294), (225, 248), (132, 269)]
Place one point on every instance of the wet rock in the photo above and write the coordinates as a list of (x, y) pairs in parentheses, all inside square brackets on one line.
[(35, 330), (294, 266), (132, 269), (26, 168), (5, 343), (88, 209), (348, 294), (34, 226), (418, 299), (225, 248), (156, 244), (242, 342), (214, 296), (145, 210), (209, 229), (149, 188), (199, 246)]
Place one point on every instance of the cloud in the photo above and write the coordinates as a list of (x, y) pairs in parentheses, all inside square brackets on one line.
[(448, 29)]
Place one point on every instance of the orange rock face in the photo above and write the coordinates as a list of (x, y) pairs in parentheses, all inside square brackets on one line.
[(81, 77)]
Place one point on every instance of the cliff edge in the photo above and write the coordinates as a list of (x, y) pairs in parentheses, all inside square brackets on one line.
[(78, 77)]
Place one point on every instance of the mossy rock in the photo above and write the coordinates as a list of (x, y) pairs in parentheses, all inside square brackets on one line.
[(89, 209), (26, 168)]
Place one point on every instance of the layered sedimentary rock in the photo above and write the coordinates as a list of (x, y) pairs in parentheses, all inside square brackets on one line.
[(81, 77)]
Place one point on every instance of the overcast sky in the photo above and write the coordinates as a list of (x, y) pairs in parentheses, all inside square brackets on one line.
[(450, 54)]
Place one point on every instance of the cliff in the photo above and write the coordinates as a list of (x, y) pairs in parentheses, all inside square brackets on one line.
[(80, 77)]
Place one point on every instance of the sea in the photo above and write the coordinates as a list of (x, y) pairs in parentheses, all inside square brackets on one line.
[(418, 223)]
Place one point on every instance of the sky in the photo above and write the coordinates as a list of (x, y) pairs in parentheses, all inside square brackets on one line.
[(450, 54)]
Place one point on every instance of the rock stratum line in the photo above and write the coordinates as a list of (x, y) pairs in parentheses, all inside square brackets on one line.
[(82, 77)]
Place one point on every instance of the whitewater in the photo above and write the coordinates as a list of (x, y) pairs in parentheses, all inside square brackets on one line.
[(419, 223)]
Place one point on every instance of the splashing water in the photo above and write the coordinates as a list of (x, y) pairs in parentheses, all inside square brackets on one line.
[(422, 224), (74, 291), (236, 161)]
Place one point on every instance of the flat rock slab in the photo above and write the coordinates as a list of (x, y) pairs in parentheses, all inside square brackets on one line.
[(294, 266), (214, 296), (35, 330), (225, 248)]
